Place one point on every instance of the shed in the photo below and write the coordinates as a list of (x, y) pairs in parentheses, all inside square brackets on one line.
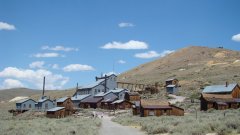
[(171, 81), (56, 112), (132, 96), (25, 105), (172, 89), (67, 103), (122, 104), (91, 102), (78, 98)]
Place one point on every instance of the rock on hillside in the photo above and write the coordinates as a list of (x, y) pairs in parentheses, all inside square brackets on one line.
[(194, 66)]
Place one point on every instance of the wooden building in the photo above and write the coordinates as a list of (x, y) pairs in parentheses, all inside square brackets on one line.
[(132, 96), (56, 112), (172, 89), (76, 99), (122, 104), (91, 102), (220, 97), (66, 102), (25, 105), (172, 81), (44, 105), (154, 107)]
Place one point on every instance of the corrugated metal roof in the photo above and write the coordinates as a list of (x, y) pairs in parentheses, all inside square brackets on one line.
[(55, 109), (118, 101), (62, 99), (80, 97), (101, 94), (171, 86), (94, 84), (24, 100), (118, 90), (92, 99), (171, 79), (219, 88)]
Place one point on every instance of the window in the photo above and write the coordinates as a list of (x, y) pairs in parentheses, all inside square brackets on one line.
[(30, 106), (95, 91), (98, 90), (24, 105), (46, 106)]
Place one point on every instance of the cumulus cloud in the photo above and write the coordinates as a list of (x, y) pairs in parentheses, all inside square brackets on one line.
[(37, 64), (47, 55), (130, 45), (121, 62), (153, 54), (59, 48), (11, 83), (6, 26), (77, 67), (236, 37), (35, 77), (125, 24)]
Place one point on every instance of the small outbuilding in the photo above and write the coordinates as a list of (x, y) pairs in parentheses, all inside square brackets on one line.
[(76, 99), (91, 102), (122, 104), (44, 105), (56, 112), (171, 89), (132, 96), (66, 102)]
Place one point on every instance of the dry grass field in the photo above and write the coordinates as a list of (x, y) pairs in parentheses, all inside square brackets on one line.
[(218, 122), (29, 123)]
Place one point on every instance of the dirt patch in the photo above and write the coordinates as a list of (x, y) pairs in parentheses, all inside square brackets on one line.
[(220, 54)]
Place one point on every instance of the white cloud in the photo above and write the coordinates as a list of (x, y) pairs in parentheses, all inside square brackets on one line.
[(121, 62), (132, 44), (6, 26), (47, 55), (55, 66), (59, 48), (125, 24), (11, 83), (35, 77), (77, 67), (236, 38), (37, 64), (152, 54)]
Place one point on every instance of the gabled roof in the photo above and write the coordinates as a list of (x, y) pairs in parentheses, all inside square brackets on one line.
[(62, 99), (80, 97), (94, 84), (219, 88), (118, 90), (101, 94), (55, 109), (154, 103), (43, 100), (110, 99), (118, 101), (92, 99), (24, 100)]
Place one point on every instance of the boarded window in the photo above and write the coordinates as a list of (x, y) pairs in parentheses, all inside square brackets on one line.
[(24, 105), (46, 106), (30, 106), (151, 113)]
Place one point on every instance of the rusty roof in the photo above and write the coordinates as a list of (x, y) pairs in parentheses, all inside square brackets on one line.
[(92, 99), (155, 103)]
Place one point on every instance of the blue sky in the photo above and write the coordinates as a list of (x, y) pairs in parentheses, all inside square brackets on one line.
[(74, 41)]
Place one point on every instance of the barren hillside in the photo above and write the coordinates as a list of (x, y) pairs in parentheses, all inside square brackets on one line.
[(194, 66)]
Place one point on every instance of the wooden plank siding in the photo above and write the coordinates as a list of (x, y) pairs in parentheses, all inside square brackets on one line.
[(236, 92)]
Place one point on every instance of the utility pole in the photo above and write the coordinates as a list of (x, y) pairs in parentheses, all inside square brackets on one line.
[(105, 82), (43, 87)]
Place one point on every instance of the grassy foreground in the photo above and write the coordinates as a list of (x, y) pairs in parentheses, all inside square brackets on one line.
[(212, 121), (29, 124)]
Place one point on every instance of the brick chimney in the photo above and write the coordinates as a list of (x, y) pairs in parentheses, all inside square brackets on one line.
[(226, 84)]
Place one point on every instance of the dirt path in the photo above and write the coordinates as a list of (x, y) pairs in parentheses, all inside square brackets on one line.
[(176, 99), (112, 128)]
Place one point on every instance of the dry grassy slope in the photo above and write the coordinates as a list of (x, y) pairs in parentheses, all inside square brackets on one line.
[(6, 95), (194, 66)]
